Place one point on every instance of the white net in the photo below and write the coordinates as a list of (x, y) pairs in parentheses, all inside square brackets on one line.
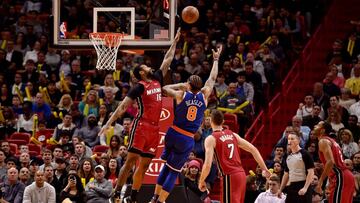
[(106, 46)]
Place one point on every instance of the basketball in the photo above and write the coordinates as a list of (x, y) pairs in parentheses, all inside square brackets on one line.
[(190, 14)]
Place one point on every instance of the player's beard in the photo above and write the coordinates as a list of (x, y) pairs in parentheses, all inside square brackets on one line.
[(150, 73)]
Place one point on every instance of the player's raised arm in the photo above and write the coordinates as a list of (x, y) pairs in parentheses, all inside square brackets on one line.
[(209, 85), (247, 146), (209, 154), (120, 110), (175, 91), (324, 147), (170, 54)]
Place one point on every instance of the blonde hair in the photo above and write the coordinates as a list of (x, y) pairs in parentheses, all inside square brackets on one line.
[(61, 105)]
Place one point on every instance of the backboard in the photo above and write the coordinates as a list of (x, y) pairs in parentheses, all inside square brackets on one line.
[(146, 24)]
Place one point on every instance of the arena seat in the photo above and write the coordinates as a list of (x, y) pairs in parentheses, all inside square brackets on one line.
[(35, 148), (20, 136), (18, 142), (98, 149), (13, 148)]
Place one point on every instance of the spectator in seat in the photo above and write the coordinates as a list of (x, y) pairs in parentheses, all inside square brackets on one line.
[(335, 107), (39, 191), (244, 88), (279, 153), (81, 152), (337, 79), (220, 85), (355, 110), (73, 190), (5, 147), (258, 67), (353, 83), (65, 104), (338, 51), (86, 171), (278, 169), (90, 132), (24, 176), (191, 179), (356, 162), (314, 118), (345, 99), (349, 164), (297, 126), (114, 147), (329, 87), (60, 175), (306, 108), (25, 122), (254, 78), (230, 76), (3, 168), (110, 84), (73, 163), (271, 194), (124, 135), (47, 158), (41, 108), (334, 120), (66, 146), (24, 160), (354, 127), (113, 171), (109, 99), (66, 127), (100, 189), (348, 146), (12, 189), (90, 104), (49, 175), (320, 97)]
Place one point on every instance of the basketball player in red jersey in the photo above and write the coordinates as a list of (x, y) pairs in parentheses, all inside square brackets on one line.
[(342, 183), (144, 135), (225, 145)]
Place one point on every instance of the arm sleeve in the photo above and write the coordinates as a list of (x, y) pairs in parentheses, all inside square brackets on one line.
[(52, 195), (20, 194), (308, 161), (136, 91), (27, 196), (105, 190)]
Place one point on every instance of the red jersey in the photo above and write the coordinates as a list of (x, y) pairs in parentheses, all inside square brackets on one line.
[(227, 152), (150, 102), (338, 157)]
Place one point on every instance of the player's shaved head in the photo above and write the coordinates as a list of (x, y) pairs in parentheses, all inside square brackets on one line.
[(195, 83), (217, 117)]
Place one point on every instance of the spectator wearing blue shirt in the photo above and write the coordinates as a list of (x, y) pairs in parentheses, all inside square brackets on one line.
[(41, 108)]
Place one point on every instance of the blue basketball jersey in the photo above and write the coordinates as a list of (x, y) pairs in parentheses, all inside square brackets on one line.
[(190, 112)]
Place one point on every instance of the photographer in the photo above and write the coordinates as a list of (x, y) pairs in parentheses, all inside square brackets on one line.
[(73, 190)]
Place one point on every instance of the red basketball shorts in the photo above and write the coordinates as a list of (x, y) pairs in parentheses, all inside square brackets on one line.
[(233, 188), (144, 138), (342, 186)]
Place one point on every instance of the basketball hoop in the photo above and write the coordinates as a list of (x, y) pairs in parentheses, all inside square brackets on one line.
[(106, 46)]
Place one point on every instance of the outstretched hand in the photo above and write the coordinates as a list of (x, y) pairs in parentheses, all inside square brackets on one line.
[(216, 54)]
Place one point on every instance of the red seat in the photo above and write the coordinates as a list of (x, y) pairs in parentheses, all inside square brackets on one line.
[(18, 142), (20, 136), (13, 148), (231, 121), (35, 148), (33, 154), (100, 148)]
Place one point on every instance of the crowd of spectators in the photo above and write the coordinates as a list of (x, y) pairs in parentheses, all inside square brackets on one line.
[(52, 95), (335, 99)]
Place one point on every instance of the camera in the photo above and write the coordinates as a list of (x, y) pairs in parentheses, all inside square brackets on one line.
[(72, 178)]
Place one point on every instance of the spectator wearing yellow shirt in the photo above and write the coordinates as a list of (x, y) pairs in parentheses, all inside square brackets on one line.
[(353, 83)]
